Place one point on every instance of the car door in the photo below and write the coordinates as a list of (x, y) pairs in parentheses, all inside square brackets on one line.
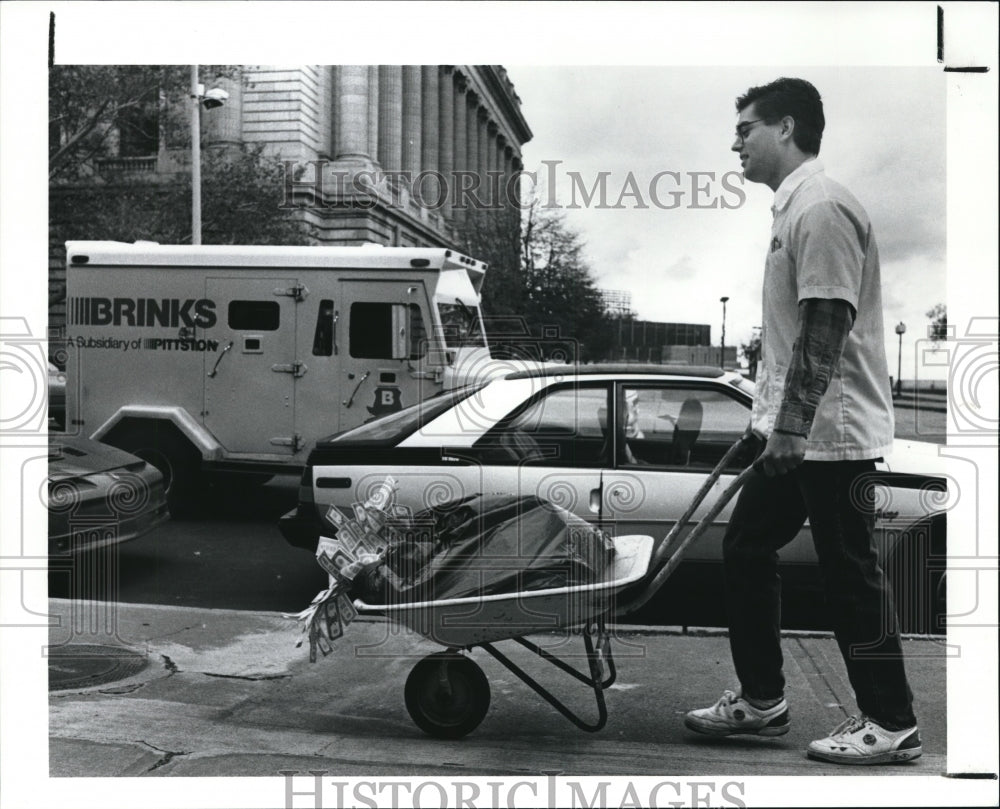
[(670, 435), (552, 447)]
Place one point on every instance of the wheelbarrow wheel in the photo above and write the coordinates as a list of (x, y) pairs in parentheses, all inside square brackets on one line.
[(447, 695)]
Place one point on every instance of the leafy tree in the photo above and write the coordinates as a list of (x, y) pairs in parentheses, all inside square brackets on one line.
[(938, 330), (242, 193), (93, 110), (92, 105), (751, 350), (491, 235)]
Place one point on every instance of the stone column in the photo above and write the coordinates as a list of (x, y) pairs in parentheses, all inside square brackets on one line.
[(352, 113), (508, 190), (472, 140), (390, 117), (496, 166), (484, 154), (412, 128), (446, 133), (430, 94), (495, 183), (373, 96), (461, 142)]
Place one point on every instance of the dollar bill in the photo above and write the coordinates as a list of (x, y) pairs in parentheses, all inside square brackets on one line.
[(347, 611), (334, 628), (335, 516)]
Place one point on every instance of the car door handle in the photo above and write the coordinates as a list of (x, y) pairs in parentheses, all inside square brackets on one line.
[(595, 500), (333, 483)]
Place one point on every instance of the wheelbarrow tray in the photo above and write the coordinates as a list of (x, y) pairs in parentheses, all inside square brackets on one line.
[(474, 620)]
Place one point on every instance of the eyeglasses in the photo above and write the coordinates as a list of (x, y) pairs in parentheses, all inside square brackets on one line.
[(744, 128)]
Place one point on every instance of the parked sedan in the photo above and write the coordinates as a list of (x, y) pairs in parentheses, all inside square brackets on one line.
[(99, 495), (546, 433)]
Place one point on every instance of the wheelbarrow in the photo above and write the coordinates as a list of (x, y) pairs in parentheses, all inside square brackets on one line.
[(447, 694)]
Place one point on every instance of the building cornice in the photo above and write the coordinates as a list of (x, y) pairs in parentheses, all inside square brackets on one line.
[(501, 95)]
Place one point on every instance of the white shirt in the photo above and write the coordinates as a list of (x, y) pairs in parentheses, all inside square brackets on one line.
[(822, 246)]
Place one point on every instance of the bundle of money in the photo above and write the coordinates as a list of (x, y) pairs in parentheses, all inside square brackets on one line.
[(359, 545)]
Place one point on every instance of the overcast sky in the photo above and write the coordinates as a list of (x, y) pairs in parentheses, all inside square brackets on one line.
[(887, 144)]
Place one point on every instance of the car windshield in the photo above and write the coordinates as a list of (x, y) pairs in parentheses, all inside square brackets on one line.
[(461, 325), (394, 427)]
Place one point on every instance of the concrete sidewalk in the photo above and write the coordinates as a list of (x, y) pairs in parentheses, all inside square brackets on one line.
[(227, 693)]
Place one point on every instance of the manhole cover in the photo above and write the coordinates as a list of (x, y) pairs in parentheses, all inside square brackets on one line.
[(80, 665)]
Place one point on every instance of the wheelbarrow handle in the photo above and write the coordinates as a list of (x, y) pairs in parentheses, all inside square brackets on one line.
[(663, 572), (706, 487)]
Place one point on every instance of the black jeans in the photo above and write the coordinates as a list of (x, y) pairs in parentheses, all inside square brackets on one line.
[(767, 516)]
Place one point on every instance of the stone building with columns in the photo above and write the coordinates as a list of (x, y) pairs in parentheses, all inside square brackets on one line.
[(392, 154), (395, 154)]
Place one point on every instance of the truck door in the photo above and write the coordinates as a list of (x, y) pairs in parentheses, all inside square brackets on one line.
[(383, 332), (250, 381)]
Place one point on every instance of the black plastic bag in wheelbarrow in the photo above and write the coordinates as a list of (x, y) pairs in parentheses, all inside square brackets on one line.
[(486, 545)]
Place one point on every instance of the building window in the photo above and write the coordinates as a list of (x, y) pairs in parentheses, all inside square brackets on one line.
[(139, 131)]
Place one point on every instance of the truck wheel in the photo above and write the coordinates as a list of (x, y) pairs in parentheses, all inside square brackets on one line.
[(447, 695), (916, 570), (177, 460)]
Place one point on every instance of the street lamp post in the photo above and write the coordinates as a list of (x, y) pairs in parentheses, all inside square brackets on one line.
[(900, 330), (722, 356), (195, 157), (214, 98)]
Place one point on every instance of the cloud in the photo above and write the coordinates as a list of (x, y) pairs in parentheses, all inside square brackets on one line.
[(885, 140)]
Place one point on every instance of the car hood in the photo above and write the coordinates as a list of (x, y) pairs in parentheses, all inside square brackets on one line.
[(917, 458), (71, 457)]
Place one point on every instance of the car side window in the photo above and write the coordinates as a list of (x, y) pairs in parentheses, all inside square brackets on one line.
[(563, 427), (676, 426)]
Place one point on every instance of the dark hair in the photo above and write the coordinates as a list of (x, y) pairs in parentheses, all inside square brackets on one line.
[(793, 97)]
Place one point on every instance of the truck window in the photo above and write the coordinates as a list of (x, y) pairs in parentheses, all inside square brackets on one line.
[(254, 315), (461, 325), (371, 331), (323, 339)]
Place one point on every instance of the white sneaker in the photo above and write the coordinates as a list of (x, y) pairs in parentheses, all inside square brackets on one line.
[(733, 714), (859, 740)]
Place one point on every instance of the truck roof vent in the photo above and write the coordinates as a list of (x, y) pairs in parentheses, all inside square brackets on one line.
[(79, 259)]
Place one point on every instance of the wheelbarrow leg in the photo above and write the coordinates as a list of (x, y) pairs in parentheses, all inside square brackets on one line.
[(596, 680)]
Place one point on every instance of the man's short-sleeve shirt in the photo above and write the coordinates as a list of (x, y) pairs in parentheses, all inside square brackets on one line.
[(822, 246)]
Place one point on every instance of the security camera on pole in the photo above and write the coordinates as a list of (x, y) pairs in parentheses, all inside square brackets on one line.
[(212, 99)]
